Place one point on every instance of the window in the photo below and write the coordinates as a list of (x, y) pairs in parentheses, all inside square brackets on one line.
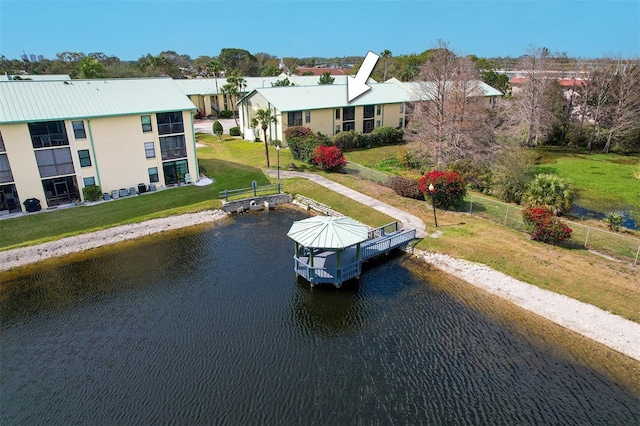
[(46, 134), (146, 123), (338, 114), (85, 159), (78, 129), (377, 123), (350, 125), (307, 116), (294, 118), (401, 108), (174, 171), (348, 113), (149, 150), (368, 111), (400, 123), (2, 148), (153, 174), (172, 147), (5, 169), (54, 162), (170, 122), (337, 129), (88, 181), (378, 109)]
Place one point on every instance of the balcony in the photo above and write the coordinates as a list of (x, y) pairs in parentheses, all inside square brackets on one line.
[(294, 122), (49, 140), (169, 128), (175, 153)]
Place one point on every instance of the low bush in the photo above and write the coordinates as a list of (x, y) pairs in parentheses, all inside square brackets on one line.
[(549, 190), (234, 131), (330, 158), (303, 142), (225, 113), (449, 188), (378, 137), (614, 220), (406, 187), (476, 175), (92, 193), (388, 135), (542, 225), (346, 140)]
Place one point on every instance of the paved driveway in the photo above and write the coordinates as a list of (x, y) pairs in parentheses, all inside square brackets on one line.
[(205, 126)]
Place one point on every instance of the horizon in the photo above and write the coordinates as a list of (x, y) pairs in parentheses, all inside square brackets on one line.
[(132, 29)]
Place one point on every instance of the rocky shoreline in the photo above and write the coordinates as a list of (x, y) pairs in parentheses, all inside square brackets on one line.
[(611, 330)]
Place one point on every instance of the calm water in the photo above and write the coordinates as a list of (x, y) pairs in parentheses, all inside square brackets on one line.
[(210, 327)]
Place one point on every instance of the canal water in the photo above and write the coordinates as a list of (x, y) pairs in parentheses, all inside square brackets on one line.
[(209, 326)]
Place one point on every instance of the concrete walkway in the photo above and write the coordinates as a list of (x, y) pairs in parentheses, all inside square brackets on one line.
[(409, 221)]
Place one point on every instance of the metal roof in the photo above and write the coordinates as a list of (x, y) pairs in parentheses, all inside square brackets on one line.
[(331, 96), (422, 90), (39, 77), (207, 86), (328, 232), (25, 101)]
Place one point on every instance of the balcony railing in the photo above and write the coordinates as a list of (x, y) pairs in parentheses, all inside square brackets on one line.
[(52, 139), (168, 128), (172, 154), (295, 122)]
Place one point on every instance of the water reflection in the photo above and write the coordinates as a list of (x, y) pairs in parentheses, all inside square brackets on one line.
[(209, 326)]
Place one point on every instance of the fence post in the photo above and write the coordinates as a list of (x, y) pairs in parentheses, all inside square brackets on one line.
[(586, 240), (506, 215), (471, 204), (635, 262), (226, 195), (254, 184), (279, 188)]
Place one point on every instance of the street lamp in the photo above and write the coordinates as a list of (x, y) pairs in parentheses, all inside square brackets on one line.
[(432, 190), (278, 150)]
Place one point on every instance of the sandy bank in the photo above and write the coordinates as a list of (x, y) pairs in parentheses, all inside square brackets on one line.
[(24, 256)]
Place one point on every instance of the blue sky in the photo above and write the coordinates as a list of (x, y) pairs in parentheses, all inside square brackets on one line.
[(131, 29)]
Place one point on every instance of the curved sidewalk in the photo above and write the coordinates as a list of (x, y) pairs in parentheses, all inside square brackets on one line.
[(409, 221)]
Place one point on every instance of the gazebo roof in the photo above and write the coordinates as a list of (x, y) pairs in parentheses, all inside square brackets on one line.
[(328, 232)]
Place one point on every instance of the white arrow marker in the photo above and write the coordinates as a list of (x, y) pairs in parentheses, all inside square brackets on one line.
[(357, 85)]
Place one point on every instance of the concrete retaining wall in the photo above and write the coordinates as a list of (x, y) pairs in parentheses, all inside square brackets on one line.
[(255, 203)]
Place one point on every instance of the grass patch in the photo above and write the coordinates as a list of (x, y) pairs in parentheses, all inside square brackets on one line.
[(603, 181)]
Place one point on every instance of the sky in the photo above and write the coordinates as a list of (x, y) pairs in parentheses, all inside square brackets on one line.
[(130, 29)]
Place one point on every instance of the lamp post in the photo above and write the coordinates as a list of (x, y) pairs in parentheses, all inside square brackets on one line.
[(432, 189), (278, 150)]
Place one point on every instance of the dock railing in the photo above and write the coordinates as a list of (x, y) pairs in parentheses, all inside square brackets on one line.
[(254, 191)]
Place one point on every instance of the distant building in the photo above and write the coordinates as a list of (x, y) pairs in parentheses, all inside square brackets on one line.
[(57, 137)]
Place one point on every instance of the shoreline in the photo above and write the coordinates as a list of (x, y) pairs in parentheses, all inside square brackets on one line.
[(611, 330)]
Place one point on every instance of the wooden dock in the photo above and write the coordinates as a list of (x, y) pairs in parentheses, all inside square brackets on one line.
[(318, 266)]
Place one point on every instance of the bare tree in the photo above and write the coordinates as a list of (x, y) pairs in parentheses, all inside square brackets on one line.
[(624, 110), (529, 103), (449, 111)]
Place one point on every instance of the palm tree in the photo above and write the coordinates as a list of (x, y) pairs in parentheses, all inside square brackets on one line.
[(386, 54), (215, 67), (264, 118)]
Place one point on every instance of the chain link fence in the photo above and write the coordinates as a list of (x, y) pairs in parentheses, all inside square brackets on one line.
[(615, 245)]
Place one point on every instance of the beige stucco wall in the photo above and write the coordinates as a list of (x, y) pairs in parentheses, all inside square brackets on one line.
[(116, 147)]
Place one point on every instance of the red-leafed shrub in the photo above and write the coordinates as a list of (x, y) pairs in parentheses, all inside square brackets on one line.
[(330, 158), (542, 225), (448, 188), (406, 187)]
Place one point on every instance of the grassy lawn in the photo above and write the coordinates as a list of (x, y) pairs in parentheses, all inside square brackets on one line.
[(611, 285), (604, 181)]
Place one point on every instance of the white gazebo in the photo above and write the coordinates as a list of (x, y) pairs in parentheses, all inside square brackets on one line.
[(328, 249)]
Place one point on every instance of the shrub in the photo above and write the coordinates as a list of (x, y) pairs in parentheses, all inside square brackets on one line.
[(449, 188), (275, 142), (614, 220), (510, 174), (92, 193), (388, 135), (542, 225), (330, 158), (346, 140), (234, 131), (225, 113), (406, 187), (476, 175), (303, 142), (551, 191), (202, 169), (217, 129)]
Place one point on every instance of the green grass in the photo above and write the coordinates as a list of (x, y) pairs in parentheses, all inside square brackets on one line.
[(603, 181)]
